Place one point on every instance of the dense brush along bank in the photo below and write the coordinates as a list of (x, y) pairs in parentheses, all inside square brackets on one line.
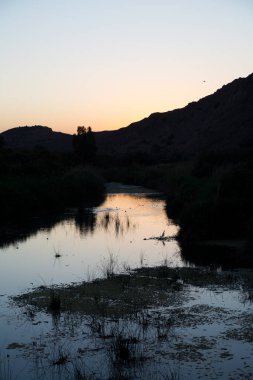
[(40, 181)]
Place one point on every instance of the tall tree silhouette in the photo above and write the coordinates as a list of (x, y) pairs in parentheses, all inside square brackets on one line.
[(84, 145)]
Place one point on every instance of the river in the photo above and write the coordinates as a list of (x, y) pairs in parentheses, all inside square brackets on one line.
[(132, 228), (75, 247)]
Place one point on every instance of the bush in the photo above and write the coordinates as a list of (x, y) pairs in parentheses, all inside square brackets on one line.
[(28, 194), (81, 184)]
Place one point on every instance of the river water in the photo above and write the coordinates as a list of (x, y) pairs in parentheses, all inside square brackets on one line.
[(76, 247)]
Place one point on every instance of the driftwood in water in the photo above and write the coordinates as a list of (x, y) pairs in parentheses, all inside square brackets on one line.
[(162, 237)]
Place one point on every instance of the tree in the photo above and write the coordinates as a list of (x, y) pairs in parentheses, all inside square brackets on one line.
[(81, 130), (84, 145)]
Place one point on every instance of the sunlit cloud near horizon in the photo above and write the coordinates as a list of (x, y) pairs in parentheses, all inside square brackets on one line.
[(106, 64)]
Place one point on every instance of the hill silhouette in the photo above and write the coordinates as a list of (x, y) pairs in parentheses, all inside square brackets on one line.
[(37, 136), (221, 122)]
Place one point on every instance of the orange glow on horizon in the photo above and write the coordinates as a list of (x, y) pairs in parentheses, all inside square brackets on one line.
[(127, 60)]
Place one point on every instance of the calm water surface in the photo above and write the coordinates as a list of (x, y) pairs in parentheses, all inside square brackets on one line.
[(79, 246)]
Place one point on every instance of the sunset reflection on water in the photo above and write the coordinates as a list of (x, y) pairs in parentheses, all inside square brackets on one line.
[(122, 225)]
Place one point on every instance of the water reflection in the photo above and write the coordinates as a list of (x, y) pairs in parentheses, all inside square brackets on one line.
[(115, 222), (135, 230), (20, 229), (113, 225), (71, 246), (85, 221)]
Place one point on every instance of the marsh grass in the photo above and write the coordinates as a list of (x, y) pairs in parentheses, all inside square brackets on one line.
[(55, 302), (123, 294), (126, 350), (247, 292), (109, 265), (58, 362), (142, 259), (79, 372), (126, 319), (174, 374), (248, 296), (61, 359), (115, 295)]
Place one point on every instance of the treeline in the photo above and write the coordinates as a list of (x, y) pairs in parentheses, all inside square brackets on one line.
[(38, 180)]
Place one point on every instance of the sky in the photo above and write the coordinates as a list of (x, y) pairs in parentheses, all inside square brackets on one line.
[(108, 63)]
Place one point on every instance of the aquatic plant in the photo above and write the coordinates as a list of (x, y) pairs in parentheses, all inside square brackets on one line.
[(109, 265), (55, 302)]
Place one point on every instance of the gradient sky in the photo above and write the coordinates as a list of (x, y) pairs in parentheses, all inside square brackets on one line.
[(107, 63)]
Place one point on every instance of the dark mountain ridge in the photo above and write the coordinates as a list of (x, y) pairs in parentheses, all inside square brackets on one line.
[(221, 122)]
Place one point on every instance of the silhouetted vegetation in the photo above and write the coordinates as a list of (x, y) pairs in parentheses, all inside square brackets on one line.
[(210, 197), (215, 205), (38, 162), (84, 145), (39, 180)]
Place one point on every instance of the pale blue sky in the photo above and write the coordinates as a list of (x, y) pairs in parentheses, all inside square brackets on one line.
[(107, 63)]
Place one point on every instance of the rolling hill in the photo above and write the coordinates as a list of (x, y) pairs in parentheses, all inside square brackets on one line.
[(37, 136)]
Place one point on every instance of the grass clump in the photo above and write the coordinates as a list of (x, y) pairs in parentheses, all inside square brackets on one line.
[(123, 294), (55, 302), (115, 295)]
